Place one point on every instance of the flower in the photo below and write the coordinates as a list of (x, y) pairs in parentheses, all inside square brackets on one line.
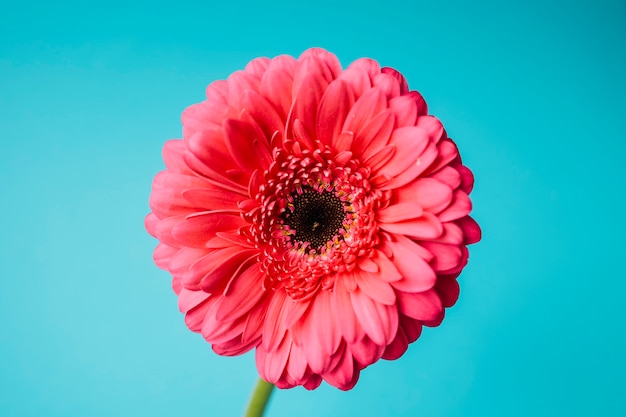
[(315, 214)]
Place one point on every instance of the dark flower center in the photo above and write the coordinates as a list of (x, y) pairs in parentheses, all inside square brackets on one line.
[(315, 217)]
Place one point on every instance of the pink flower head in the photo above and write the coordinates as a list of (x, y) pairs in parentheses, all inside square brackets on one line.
[(315, 214)]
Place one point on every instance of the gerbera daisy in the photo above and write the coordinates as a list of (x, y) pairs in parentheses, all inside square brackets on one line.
[(317, 215)]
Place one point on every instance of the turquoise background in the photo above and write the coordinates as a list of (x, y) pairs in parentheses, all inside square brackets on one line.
[(534, 93)]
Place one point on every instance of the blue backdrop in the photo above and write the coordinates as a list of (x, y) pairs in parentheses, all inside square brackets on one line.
[(532, 91)]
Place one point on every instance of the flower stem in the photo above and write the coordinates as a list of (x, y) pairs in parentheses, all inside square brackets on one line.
[(260, 397)]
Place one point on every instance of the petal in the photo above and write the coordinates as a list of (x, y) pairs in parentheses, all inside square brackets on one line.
[(173, 151), (276, 361), (399, 212), (263, 113), (212, 199), (470, 228), (238, 83), (162, 255), (448, 291), (427, 226), (297, 364), (243, 293), (241, 137), (213, 272), (417, 275), (368, 315), (424, 306), (188, 300), (431, 194), (377, 289), (349, 326), (365, 109), (344, 375), (196, 230), (409, 143), (458, 208), (333, 109), (374, 135), (397, 347), (274, 328), (366, 352), (404, 87), (405, 110), (446, 256), (388, 84), (276, 84)]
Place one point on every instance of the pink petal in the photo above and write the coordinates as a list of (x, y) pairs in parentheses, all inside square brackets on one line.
[(366, 352), (448, 291), (388, 271), (377, 289), (404, 87), (365, 109), (276, 84), (241, 138), (427, 226), (458, 208), (274, 328), (194, 319), (470, 228), (344, 375), (276, 361), (424, 306), (349, 326), (378, 160), (204, 116), (325, 324), (446, 256), (431, 194), (312, 77), (212, 199), (374, 135), (263, 113), (212, 272), (238, 83), (257, 66), (253, 329), (162, 255), (173, 151), (185, 257), (367, 65), (243, 293), (357, 79), (417, 275), (432, 125), (422, 108), (197, 230), (320, 333), (188, 300), (397, 347), (411, 327), (388, 84), (405, 110), (447, 152), (333, 109), (399, 212), (467, 178), (449, 176), (409, 142), (297, 364), (367, 314)]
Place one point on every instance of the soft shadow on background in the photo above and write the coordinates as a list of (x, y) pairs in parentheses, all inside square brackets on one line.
[(533, 93)]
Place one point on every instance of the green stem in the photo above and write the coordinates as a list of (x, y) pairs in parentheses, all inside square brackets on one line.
[(258, 400)]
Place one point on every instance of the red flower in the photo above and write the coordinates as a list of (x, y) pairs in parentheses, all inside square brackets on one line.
[(316, 214)]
